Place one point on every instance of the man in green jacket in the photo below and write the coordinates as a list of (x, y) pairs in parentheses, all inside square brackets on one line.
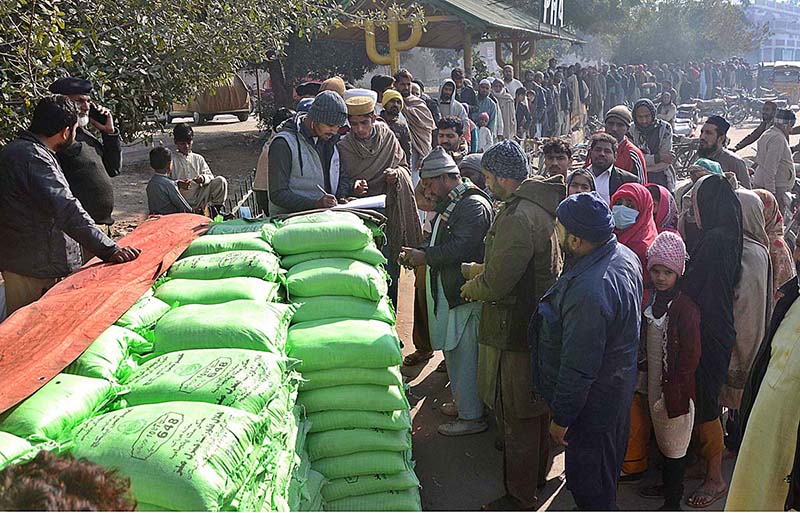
[(522, 261)]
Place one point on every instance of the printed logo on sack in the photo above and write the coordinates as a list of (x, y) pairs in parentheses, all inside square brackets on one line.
[(211, 371), (188, 370), (131, 427), (155, 435), (351, 480)]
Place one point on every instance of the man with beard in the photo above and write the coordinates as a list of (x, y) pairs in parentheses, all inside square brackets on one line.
[(767, 120), (509, 82), (464, 92), (303, 158), (584, 338), (712, 146), (392, 105), (488, 106), (608, 178), (507, 108), (449, 106), (774, 166), (563, 104), (41, 222), (557, 157), (654, 137), (89, 163), (522, 260), (451, 137), (419, 118), (371, 153)]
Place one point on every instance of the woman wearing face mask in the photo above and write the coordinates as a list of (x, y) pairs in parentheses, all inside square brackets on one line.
[(580, 180), (715, 266), (632, 208), (665, 210)]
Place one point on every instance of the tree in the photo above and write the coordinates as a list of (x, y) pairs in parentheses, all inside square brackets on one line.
[(688, 30), (143, 55)]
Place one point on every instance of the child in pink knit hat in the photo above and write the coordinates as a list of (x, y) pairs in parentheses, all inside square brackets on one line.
[(671, 341)]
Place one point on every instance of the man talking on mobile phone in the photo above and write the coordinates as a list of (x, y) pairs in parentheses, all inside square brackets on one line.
[(91, 161)]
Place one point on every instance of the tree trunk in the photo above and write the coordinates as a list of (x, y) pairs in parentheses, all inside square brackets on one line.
[(280, 90)]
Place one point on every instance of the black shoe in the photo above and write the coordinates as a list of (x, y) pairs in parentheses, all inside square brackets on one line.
[(442, 367), (652, 492), (636, 477)]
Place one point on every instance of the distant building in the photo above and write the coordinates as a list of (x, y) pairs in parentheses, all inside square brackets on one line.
[(783, 17)]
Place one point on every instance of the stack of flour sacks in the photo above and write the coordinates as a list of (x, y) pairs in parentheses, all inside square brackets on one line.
[(344, 337)]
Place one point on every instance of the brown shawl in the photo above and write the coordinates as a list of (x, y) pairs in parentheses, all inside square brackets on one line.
[(368, 160), (420, 122)]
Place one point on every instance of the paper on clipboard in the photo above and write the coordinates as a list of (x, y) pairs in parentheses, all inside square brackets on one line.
[(370, 202)]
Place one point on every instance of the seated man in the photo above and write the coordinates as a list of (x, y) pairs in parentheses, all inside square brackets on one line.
[(162, 192), (195, 180)]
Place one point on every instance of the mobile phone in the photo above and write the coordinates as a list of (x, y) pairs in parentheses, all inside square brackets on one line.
[(96, 115)]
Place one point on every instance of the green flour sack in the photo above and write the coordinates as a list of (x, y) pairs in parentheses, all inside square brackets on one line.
[(395, 500), (364, 463), (343, 307), (210, 244), (181, 456), (242, 324), (211, 292), (369, 254), (347, 441), (144, 313), (358, 376), (231, 264), (321, 231), (238, 378), (355, 486), (240, 226), (397, 420), (109, 355), (337, 277), (54, 410), (14, 449), (322, 345), (354, 397)]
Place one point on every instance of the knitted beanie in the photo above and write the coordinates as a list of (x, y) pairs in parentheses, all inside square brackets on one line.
[(437, 163), (335, 84), (620, 112), (586, 215), (391, 94), (328, 108), (784, 117), (711, 166), (668, 250), (506, 160)]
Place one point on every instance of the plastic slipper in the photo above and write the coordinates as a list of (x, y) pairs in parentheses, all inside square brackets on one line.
[(711, 495)]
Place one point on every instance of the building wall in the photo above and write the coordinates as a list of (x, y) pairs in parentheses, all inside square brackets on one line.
[(783, 17)]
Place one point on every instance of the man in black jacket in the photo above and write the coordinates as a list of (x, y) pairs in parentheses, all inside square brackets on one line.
[(89, 163), (607, 177), (40, 219), (464, 93), (464, 215)]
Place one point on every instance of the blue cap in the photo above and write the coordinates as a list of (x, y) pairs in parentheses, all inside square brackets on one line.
[(587, 216)]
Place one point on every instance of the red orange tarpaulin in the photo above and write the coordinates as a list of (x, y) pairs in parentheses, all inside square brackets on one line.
[(39, 341)]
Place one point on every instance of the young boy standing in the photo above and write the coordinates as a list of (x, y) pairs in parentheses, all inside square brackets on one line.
[(163, 196)]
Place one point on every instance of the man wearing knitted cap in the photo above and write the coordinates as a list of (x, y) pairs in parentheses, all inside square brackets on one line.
[(522, 260), (629, 157), (464, 214), (774, 165), (585, 340), (304, 160), (713, 136), (392, 106), (374, 162), (654, 137)]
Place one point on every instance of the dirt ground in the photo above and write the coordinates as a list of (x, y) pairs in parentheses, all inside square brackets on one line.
[(456, 473)]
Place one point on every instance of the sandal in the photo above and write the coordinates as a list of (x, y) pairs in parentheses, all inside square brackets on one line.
[(416, 358), (709, 496)]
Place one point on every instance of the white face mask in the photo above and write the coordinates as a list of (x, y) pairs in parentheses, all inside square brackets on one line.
[(83, 121)]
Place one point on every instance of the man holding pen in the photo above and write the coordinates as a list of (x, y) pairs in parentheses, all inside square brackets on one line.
[(304, 170)]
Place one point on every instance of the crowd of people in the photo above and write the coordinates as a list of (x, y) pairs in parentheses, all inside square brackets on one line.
[(597, 306), (593, 308)]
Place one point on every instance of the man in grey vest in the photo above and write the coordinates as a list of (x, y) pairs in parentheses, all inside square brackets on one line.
[(304, 161)]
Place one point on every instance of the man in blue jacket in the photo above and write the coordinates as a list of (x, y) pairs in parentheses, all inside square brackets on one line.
[(584, 338)]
